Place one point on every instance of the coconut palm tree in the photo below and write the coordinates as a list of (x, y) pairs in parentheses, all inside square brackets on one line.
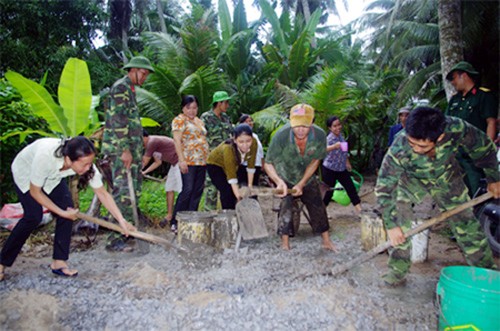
[(406, 35)]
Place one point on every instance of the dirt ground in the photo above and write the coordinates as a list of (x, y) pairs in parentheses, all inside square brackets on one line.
[(260, 287)]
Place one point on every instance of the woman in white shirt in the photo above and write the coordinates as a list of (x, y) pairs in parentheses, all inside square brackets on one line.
[(38, 171)]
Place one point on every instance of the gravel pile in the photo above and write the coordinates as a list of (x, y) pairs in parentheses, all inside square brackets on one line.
[(259, 288)]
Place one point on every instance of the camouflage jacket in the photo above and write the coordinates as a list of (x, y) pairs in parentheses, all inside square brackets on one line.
[(437, 172), (123, 129), (218, 129)]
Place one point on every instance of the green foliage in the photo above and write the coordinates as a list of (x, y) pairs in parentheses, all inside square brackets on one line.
[(75, 96), (37, 36), (152, 201), (15, 115)]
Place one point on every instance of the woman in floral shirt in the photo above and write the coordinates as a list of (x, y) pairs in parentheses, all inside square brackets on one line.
[(336, 165), (190, 137)]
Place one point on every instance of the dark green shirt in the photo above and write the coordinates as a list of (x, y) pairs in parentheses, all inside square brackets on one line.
[(285, 156), (475, 107)]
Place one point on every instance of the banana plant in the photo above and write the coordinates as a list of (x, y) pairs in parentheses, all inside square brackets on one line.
[(75, 114)]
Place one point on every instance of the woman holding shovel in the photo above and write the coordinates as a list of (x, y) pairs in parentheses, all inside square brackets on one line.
[(39, 171), (336, 165), (224, 160)]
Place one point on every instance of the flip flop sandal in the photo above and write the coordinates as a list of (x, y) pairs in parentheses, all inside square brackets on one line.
[(60, 272)]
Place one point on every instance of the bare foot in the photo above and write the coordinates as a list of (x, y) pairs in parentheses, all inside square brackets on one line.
[(327, 243), (285, 244), (168, 217), (330, 246), (2, 272), (358, 208)]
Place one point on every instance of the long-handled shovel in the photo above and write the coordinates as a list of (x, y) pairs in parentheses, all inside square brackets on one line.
[(143, 246), (137, 234), (337, 270)]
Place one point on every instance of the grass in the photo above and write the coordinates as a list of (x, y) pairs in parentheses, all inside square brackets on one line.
[(152, 201)]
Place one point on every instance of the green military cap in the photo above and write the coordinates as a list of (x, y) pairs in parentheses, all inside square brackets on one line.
[(140, 62), (462, 66), (220, 96)]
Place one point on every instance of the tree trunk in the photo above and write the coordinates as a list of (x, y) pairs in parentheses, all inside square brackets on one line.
[(307, 18), (450, 39), (125, 49), (307, 11), (159, 8)]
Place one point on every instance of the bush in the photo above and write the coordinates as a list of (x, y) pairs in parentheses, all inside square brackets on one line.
[(152, 202), (15, 115)]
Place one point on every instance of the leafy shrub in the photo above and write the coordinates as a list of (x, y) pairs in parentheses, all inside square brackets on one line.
[(15, 115)]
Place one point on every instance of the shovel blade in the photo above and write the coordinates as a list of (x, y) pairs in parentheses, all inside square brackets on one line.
[(250, 219)]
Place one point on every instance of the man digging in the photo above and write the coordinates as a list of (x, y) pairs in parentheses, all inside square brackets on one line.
[(422, 161)]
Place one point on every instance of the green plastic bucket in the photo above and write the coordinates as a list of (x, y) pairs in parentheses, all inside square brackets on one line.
[(468, 298), (340, 195)]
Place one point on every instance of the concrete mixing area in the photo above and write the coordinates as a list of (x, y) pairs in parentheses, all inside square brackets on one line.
[(260, 287)]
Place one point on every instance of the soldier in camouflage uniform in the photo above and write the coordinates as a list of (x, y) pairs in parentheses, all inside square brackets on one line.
[(292, 159), (219, 129), (422, 161), (122, 141), (476, 105)]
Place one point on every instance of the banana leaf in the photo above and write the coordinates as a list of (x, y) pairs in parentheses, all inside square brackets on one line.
[(75, 95), (41, 102)]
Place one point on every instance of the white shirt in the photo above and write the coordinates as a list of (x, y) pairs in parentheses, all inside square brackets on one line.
[(37, 164)]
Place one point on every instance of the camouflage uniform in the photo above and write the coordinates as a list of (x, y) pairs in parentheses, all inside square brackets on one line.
[(122, 131), (284, 155), (475, 107), (218, 130), (406, 177)]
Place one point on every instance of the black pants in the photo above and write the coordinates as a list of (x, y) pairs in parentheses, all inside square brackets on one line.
[(311, 198), (192, 189), (32, 217), (243, 177), (344, 177), (219, 179)]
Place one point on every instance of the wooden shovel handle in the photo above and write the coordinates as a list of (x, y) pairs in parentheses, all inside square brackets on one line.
[(289, 191), (386, 245), (136, 234)]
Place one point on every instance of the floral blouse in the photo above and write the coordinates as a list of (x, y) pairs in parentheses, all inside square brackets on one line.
[(194, 139)]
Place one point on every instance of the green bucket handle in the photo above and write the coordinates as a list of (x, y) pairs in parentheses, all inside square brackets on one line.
[(361, 179)]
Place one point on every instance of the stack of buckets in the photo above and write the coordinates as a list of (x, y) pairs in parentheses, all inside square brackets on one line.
[(468, 298)]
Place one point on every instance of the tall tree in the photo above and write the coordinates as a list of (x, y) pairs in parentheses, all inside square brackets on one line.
[(120, 12), (450, 39), (41, 35), (159, 9)]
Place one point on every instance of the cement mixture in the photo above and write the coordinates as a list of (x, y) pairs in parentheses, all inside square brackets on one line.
[(260, 287)]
